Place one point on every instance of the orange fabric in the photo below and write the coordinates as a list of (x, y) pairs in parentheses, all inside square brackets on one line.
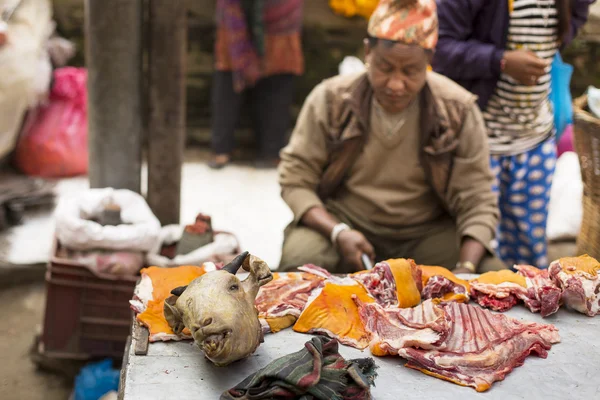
[(283, 54), (334, 312), (584, 263), (502, 276), (407, 290), (163, 281), (428, 271)]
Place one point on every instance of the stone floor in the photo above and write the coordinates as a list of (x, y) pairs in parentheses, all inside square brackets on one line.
[(239, 198), (21, 315)]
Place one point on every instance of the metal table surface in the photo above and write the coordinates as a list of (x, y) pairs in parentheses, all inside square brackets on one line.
[(178, 370)]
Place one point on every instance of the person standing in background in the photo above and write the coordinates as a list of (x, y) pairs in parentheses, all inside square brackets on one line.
[(502, 51), (25, 27), (257, 50)]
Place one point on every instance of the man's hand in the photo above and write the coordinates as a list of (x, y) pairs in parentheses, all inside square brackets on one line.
[(461, 271), (351, 245), (524, 66)]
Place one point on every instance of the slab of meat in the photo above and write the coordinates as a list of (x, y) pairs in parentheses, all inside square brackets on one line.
[(579, 279), (281, 301), (440, 283), (457, 342), (393, 283), (543, 295), (499, 290), (331, 311)]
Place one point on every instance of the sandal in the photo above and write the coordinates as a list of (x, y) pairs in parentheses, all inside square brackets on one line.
[(219, 161)]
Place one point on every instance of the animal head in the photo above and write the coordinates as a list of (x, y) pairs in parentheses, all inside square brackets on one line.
[(219, 311)]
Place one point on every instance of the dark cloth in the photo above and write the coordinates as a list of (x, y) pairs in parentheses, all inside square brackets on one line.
[(271, 100), (316, 372), (472, 39), (254, 9)]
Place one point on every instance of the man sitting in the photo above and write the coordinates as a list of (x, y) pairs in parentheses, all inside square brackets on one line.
[(390, 163)]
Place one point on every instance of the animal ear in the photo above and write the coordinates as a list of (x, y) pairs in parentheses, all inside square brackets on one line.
[(260, 274), (178, 291), (237, 262), (172, 315)]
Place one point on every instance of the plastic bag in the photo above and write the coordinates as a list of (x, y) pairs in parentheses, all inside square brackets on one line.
[(75, 228), (351, 65), (594, 100), (350, 8), (565, 210), (53, 141), (566, 141), (224, 243), (560, 94), (95, 380)]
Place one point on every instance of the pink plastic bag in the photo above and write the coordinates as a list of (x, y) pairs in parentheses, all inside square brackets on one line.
[(53, 141), (566, 141)]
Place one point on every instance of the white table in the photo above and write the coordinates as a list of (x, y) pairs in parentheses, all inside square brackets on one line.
[(178, 370)]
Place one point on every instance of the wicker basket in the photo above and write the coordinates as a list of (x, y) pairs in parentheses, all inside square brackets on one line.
[(587, 144)]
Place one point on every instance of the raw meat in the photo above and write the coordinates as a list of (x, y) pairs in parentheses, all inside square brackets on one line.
[(331, 311), (580, 282), (439, 282), (543, 295), (393, 283), (499, 290), (315, 270), (281, 301), (323, 273), (457, 342)]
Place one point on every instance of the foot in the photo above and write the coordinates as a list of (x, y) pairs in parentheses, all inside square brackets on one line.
[(266, 163), (219, 161)]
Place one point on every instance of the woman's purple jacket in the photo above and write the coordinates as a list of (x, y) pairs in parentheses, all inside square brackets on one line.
[(472, 39)]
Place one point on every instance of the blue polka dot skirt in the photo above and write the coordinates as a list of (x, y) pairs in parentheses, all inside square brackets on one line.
[(523, 185)]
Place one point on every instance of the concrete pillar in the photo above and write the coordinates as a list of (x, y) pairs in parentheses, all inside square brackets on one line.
[(114, 61), (167, 42)]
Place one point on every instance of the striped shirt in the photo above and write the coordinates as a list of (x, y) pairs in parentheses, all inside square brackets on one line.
[(520, 117)]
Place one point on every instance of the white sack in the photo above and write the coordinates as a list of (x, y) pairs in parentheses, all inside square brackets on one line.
[(223, 243), (140, 230), (566, 196)]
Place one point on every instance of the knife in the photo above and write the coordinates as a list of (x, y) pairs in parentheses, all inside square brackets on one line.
[(366, 261)]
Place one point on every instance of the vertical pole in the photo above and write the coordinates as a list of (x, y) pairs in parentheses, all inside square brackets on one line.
[(114, 62), (166, 106)]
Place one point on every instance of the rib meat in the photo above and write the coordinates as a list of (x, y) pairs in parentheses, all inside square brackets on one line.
[(579, 279), (457, 342)]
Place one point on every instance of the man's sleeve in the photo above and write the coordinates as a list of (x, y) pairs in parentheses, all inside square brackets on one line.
[(303, 159), (470, 195), (457, 55), (580, 10)]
